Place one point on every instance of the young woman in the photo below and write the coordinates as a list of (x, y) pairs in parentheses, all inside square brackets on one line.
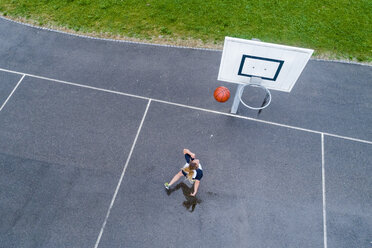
[(192, 170)]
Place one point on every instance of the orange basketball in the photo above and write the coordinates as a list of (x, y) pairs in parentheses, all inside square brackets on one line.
[(222, 94)]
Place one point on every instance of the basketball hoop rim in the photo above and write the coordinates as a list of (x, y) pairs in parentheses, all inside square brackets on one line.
[(259, 86)]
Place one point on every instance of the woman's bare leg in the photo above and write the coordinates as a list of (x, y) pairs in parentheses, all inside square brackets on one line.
[(176, 178)]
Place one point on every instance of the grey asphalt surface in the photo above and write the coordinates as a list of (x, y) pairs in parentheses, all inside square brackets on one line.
[(63, 149)]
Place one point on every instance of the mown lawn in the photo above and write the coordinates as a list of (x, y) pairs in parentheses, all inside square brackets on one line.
[(336, 29)]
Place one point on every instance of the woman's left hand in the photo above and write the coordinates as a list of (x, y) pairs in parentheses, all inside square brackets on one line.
[(193, 194)]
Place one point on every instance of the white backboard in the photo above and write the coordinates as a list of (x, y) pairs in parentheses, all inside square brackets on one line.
[(279, 66)]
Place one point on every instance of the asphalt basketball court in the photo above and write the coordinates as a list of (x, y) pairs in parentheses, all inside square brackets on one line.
[(91, 129)]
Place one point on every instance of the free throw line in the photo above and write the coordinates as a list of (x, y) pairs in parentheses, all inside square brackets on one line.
[(324, 196), (122, 176), (12, 92)]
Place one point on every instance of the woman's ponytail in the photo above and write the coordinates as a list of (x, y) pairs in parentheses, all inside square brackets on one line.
[(190, 169)]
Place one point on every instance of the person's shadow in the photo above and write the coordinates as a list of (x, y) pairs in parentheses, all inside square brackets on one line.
[(191, 201)]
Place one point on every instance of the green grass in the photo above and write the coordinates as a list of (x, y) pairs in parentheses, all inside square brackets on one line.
[(337, 29)]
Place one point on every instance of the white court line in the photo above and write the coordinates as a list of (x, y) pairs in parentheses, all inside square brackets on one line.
[(263, 121), (74, 84), (12, 92), (122, 176), (347, 138), (190, 107), (324, 197)]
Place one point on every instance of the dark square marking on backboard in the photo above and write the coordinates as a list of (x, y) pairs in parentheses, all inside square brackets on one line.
[(260, 58)]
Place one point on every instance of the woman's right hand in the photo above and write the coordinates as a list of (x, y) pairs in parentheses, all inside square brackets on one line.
[(187, 151)]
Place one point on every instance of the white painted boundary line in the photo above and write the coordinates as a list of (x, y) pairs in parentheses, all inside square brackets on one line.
[(347, 138), (190, 107), (122, 176), (12, 92), (324, 197), (74, 84)]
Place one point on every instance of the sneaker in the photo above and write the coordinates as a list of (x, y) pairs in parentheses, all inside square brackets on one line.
[(166, 185)]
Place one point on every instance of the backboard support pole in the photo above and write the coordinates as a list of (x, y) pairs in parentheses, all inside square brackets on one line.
[(236, 102), (240, 90)]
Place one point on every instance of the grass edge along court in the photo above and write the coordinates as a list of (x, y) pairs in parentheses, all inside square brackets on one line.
[(335, 29)]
